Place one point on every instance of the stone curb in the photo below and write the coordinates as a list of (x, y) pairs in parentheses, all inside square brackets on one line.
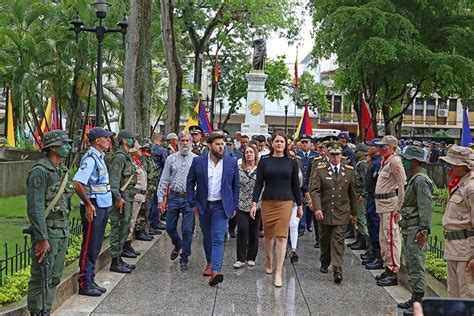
[(434, 288)]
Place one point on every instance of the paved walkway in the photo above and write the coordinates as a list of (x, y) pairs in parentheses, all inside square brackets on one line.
[(158, 287)]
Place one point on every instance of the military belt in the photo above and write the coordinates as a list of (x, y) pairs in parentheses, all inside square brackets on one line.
[(414, 221), (97, 188), (383, 196), (57, 224), (459, 234)]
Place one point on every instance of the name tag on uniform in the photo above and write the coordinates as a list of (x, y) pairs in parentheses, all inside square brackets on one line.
[(329, 178)]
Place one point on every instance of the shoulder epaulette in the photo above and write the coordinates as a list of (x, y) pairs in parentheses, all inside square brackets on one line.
[(321, 166), (349, 167), (318, 158)]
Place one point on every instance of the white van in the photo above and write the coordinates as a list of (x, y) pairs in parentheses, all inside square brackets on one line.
[(325, 132)]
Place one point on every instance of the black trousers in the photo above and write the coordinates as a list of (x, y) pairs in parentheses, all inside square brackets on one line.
[(247, 235)]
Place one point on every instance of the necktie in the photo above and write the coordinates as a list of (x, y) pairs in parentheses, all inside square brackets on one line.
[(336, 172), (306, 155)]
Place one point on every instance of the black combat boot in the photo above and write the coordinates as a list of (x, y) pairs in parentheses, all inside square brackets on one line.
[(415, 297), (117, 266), (389, 280), (128, 246), (128, 265), (127, 253), (359, 244), (140, 235), (376, 263)]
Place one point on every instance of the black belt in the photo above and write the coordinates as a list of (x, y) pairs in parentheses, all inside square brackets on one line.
[(140, 191), (383, 196), (214, 202), (459, 234), (178, 194)]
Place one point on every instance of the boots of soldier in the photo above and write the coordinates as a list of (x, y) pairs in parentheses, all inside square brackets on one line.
[(359, 244), (376, 263), (128, 265), (389, 280), (117, 266), (126, 251), (128, 246), (415, 297), (140, 235)]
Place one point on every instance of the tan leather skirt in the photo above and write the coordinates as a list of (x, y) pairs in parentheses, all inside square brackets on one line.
[(276, 217)]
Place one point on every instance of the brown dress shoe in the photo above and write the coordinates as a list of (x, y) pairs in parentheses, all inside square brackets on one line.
[(207, 271), (216, 278)]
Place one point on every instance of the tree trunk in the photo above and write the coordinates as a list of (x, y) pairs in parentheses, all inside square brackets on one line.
[(138, 76), (198, 56), (173, 65), (389, 125)]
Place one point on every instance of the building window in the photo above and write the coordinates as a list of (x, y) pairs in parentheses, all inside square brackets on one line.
[(442, 104), (453, 105), (430, 107), (337, 104), (419, 105)]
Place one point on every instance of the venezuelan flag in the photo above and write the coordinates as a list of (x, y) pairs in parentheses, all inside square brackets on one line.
[(202, 120), (10, 128), (304, 127)]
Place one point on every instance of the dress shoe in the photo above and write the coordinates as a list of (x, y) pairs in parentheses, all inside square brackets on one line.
[(142, 236), (216, 278), (183, 266), (381, 276), (90, 291), (128, 265), (374, 265), (117, 266), (161, 226), (388, 281), (207, 270), (368, 260), (128, 254), (364, 256), (251, 263), (323, 269), (232, 234), (175, 253), (359, 244), (317, 244), (293, 256), (337, 277), (100, 288)]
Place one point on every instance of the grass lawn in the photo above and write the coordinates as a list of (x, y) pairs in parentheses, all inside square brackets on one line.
[(13, 220), (436, 227)]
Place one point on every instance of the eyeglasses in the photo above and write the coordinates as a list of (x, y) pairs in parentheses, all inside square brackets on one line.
[(447, 166), (382, 147)]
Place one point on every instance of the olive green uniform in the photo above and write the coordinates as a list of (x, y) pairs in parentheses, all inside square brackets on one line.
[(152, 180), (44, 181), (121, 168), (416, 211), (360, 173), (199, 148)]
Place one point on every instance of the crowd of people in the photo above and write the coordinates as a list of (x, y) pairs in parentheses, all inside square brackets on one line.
[(245, 187)]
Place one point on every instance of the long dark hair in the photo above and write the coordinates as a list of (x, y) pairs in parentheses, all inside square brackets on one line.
[(276, 133)]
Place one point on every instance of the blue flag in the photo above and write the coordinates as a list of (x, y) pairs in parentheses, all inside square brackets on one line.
[(466, 137)]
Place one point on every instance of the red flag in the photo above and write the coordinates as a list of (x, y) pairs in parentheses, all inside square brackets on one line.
[(216, 72), (366, 123), (304, 127)]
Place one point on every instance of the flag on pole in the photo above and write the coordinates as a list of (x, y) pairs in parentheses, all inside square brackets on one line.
[(46, 123), (10, 128), (304, 126), (367, 128), (296, 69), (216, 72), (54, 115), (466, 137), (199, 118)]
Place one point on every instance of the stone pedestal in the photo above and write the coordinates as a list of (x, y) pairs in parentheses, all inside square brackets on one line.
[(255, 108)]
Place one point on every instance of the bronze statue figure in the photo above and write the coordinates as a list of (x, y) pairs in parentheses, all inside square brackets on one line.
[(259, 52)]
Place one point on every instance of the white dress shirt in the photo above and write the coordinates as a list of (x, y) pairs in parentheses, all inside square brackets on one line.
[(338, 167), (214, 179)]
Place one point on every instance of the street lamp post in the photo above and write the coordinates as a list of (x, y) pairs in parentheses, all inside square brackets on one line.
[(286, 119), (101, 7), (221, 105)]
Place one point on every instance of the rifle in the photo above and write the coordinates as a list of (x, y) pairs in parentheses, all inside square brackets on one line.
[(44, 274)]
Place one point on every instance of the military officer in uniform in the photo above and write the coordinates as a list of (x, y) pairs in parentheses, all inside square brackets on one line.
[(415, 222), (332, 191), (49, 190), (199, 146), (458, 221), (122, 182), (360, 173), (91, 184), (389, 194)]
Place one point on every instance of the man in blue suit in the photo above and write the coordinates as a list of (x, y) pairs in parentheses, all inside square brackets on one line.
[(213, 191)]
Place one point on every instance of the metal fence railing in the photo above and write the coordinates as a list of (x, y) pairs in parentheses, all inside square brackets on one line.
[(436, 247), (19, 257)]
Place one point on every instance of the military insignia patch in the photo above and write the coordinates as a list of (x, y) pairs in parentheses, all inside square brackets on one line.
[(37, 182), (83, 166), (116, 166), (426, 191)]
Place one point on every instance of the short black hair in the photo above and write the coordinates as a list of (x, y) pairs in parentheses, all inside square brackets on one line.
[(261, 138), (244, 136), (211, 139)]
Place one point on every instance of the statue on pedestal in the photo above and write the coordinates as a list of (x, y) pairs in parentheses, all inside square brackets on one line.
[(259, 52)]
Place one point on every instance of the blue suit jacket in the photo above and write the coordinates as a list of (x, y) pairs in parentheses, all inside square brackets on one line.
[(197, 184)]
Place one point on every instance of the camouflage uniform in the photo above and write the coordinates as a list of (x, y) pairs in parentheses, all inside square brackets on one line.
[(43, 183), (152, 182), (360, 175)]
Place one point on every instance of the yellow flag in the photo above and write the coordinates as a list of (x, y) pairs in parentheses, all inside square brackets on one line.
[(46, 123), (192, 121), (10, 128)]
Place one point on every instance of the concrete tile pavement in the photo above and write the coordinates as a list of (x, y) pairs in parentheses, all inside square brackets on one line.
[(157, 287)]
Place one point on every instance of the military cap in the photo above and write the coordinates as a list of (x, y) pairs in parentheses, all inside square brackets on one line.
[(329, 138), (125, 134), (195, 129), (459, 156), (97, 132), (414, 153), (388, 140), (372, 142), (305, 137), (361, 147), (334, 148), (226, 132), (54, 138), (344, 135), (228, 140)]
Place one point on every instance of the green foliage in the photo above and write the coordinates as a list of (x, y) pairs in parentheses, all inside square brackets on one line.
[(278, 78), (436, 267), (73, 250), (441, 196), (314, 92), (14, 287)]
